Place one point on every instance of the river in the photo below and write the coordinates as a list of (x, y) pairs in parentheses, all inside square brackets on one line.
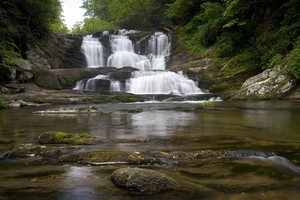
[(262, 138)]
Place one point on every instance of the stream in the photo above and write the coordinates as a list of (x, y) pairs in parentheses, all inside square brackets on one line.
[(262, 140)]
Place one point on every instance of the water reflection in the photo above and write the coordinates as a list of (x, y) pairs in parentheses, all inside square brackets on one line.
[(267, 120), (144, 124), (76, 184)]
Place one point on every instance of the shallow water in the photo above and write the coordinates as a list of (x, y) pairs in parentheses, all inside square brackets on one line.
[(268, 127)]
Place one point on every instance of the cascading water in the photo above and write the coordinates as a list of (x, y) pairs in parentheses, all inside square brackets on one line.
[(164, 82), (152, 77), (93, 51)]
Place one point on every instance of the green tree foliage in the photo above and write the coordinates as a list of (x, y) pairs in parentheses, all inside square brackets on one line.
[(95, 24), (294, 61), (245, 33), (36, 16), (130, 14), (22, 21), (59, 27), (182, 11), (97, 8)]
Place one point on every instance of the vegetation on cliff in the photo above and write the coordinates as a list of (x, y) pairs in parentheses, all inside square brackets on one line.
[(245, 34), (241, 38), (23, 21)]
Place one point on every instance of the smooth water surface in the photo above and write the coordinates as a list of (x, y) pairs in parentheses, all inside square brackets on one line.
[(239, 127)]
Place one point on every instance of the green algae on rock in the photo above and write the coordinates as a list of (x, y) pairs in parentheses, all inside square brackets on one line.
[(142, 180), (66, 138), (107, 157)]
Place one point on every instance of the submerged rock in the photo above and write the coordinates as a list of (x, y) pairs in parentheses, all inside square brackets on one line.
[(107, 157), (68, 110), (142, 180), (66, 138)]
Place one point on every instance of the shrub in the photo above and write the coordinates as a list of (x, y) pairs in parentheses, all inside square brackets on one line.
[(241, 62), (294, 60)]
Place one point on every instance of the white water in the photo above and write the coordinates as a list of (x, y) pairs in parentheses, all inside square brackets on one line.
[(93, 51), (164, 82), (152, 77)]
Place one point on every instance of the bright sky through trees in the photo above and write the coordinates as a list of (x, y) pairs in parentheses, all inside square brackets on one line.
[(72, 12)]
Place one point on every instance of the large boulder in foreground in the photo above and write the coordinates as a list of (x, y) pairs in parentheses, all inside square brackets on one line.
[(142, 180), (270, 84)]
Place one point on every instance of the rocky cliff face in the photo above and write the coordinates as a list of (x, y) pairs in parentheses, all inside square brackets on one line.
[(40, 57), (252, 83), (271, 83), (58, 52)]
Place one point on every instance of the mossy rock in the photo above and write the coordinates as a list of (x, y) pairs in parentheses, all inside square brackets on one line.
[(31, 150), (142, 180), (66, 138), (127, 98), (107, 157)]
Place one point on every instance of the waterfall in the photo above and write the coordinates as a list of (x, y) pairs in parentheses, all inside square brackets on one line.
[(157, 82), (152, 77), (93, 51)]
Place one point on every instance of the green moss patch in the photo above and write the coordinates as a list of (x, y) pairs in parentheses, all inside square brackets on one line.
[(66, 138)]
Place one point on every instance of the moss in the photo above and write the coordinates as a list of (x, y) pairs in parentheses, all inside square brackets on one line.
[(66, 138), (208, 104), (142, 180), (2, 102), (102, 157), (125, 98)]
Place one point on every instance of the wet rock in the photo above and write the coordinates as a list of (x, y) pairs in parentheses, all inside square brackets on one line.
[(142, 180), (66, 138), (20, 103), (59, 51), (295, 94), (122, 74), (68, 110), (14, 88), (107, 157), (127, 97), (31, 150)]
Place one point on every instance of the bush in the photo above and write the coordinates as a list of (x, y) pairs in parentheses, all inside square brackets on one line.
[(294, 61), (241, 62)]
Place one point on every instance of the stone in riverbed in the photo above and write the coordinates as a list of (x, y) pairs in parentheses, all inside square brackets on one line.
[(66, 138), (142, 180)]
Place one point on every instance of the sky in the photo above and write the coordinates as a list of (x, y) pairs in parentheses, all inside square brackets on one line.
[(72, 12)]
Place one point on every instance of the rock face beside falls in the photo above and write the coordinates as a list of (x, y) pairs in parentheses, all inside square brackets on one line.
[(56, 52), (271, 83), (67, 78)]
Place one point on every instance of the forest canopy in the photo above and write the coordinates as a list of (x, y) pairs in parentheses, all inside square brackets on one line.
[(23, 20)]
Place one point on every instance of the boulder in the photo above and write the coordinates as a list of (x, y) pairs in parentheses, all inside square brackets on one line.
[(142, 180), (65, 78), (122, 74), (270, 84), (295, 94)]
